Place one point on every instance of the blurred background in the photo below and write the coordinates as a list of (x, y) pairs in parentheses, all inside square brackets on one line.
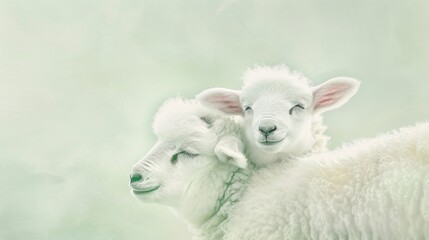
[(81, 80)]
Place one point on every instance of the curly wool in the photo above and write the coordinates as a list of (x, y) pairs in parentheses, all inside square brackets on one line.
[(281, 72), (321, 140), (371, 189)]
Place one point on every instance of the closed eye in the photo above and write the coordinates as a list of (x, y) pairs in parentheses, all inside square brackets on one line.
[(298, 106), (176, 156)]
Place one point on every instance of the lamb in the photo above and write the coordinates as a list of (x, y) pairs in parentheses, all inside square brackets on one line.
[(197, 153), (282, 111), (372, 189)]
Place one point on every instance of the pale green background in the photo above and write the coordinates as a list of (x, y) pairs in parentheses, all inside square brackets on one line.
[(81, 80)]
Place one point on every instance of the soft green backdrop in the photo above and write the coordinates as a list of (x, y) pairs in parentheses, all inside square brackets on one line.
[(81, 80)]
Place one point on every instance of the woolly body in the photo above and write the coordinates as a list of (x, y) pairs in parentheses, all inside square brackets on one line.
[(372, 189)]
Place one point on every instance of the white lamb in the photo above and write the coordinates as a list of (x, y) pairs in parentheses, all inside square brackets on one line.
[(281, 111), (372, 189)]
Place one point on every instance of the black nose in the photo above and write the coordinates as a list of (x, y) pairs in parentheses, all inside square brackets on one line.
[(267, 129), (135, 177)]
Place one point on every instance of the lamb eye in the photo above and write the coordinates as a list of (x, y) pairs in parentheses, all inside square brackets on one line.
[(294, 107), (247, 109), (175, 157)]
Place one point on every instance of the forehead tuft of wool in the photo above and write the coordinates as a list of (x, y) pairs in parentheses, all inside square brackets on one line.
[(177, 115), (278, 79), (279, 72)]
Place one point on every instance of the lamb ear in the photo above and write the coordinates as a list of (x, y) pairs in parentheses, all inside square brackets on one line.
[(225, 100), (230, 150), (333, 93)]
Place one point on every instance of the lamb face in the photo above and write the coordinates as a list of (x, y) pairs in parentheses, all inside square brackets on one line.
[(278, 116), (187, 148), (281, 110), (164, 173)]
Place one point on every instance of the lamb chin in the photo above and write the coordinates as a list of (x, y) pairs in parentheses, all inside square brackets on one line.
[(271, 147), (146, 197)]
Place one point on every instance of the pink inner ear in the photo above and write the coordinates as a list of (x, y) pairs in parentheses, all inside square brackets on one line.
[(327, 97), (225, 103), (231, 109), (324, 102)]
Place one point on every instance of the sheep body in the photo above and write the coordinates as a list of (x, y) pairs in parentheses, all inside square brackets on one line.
[(372, 189)]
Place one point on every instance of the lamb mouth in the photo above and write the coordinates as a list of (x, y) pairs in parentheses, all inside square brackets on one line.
[(269, 143), (145, 191)]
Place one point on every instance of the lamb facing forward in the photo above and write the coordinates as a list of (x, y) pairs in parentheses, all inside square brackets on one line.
[(281, 111), (372, 189)]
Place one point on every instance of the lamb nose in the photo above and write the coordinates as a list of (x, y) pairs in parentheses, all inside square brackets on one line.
[(266, 130), (135, 177)]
